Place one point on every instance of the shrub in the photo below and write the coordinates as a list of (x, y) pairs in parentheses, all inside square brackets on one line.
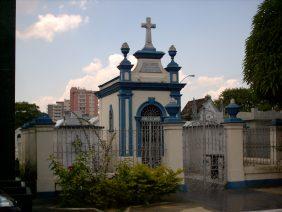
[(141, 184), (84, 186)]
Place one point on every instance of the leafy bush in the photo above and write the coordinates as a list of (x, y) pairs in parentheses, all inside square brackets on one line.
[(139, 184)]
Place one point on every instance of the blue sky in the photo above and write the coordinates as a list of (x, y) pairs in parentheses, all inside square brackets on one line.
[(77, 43)]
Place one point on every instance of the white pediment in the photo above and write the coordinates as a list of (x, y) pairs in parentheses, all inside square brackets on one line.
[(149, 70)]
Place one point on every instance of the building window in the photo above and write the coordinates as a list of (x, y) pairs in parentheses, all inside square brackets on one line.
[(111, 119)]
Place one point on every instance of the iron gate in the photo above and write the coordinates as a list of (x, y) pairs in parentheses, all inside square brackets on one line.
[(204, 155), (151, 136)]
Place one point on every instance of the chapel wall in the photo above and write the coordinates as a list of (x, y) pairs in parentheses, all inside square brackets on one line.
[(105, 103)]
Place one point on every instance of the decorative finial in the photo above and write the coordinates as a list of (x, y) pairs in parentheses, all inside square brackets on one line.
[(125, 49), (148, 25), (232, 110), (172, 108), (232, 101), (172, 51)]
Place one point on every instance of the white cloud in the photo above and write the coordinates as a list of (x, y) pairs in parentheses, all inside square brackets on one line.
[(82, 4), (96, 75), (43, 101), (48, 25), (200, 86), (95, 65), (231, 83)]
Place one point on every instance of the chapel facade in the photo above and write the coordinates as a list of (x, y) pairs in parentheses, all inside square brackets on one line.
[(137, 102)]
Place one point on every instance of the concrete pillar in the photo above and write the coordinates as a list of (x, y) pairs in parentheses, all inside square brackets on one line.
[(234, 129), (275, 143), (173, 145), (45, 139), (234, 154)]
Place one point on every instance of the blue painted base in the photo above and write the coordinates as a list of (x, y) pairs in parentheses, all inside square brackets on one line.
[(233, 120), (254, 183), (172, 120)]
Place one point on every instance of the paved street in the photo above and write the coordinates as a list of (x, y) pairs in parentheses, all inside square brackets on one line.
[(264, 199), (235, 200)]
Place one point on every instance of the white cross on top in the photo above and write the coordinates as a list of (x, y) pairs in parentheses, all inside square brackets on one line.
[(148, 25)]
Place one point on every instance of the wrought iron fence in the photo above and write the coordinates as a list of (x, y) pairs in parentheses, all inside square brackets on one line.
[(105, 144), (260, 147)]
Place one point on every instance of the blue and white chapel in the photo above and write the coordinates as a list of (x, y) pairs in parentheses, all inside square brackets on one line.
[(137, 102)]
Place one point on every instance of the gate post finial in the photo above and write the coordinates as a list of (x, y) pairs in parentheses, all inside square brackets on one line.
[(172, 109), (232, 110)]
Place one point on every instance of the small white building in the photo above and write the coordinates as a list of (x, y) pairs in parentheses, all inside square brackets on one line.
[(202, 110), (35, 145), (134, 102)]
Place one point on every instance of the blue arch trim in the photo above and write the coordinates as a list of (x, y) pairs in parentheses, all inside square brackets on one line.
[(151, 101)]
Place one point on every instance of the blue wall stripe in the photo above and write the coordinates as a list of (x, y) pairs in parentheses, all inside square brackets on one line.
[(130, 137), (254, 183)]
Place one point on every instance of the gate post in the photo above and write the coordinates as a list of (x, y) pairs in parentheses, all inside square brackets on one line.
[(173, 145), (234, 147), (173, 139)]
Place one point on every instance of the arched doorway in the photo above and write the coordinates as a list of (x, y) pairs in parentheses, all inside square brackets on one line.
[(151, 135)]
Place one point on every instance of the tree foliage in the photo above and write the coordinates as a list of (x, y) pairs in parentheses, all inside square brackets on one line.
[(263, 54), (25, 112), (244, 97)]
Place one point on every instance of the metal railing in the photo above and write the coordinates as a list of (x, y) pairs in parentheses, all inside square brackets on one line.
[(260, 147), (106, 144)]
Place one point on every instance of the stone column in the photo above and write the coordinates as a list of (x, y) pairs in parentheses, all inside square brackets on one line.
[(234, 154), (173, 139), (125, 106), (45, 140), (234, 147), (173, 145), (276, 141)]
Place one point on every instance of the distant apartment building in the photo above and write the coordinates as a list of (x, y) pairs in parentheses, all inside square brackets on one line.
[(55, 111), (83, 101), (66, 105), (58, 110)]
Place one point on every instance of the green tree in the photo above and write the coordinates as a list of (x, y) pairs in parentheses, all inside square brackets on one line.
[(25, 112), (263, 54), (244, 97)]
